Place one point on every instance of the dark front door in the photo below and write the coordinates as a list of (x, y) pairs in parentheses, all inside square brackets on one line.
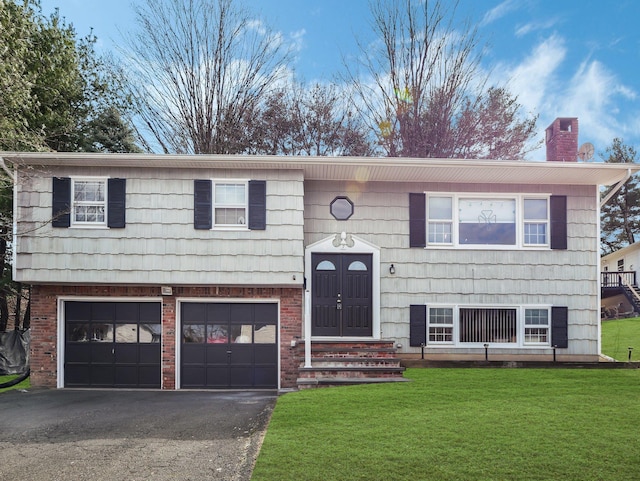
[(341, 298), (112, 344), (229, 345)]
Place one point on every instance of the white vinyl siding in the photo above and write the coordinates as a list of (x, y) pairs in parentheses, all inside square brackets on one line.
[(159, 245)]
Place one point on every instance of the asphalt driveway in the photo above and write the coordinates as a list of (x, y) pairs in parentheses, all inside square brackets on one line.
[(131, 435)]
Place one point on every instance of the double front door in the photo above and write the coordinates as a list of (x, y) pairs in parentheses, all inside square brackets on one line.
[(341, 295)]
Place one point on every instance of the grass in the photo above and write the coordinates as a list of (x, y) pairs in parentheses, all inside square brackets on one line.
[(461, 424), (620, 334), (22, 385)]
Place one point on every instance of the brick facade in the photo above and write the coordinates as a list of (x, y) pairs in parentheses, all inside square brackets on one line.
[(44, 323)]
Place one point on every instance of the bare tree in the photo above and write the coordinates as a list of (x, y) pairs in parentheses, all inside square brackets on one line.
[(295, 120), (198, 70), (423, 91)]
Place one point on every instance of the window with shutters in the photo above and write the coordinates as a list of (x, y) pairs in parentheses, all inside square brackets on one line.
[(89, 202), (473, 220), (474, 326), (230, 200), (229, 204)]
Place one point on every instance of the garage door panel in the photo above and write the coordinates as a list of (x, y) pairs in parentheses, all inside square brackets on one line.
[(265, 353), (77, 311), (126, 375), (77, 374), (149, 376), (80, 353), (149, 353), (266, 376), (241, 376), (126, 311), (103, 348), (126, 353), (193, 354), (239, 339), (103, 311), (193, 376), (102, 375), (217, 376), (217, 354), (102, 352)]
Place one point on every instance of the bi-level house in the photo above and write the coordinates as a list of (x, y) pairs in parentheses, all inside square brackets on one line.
[(176, 272)]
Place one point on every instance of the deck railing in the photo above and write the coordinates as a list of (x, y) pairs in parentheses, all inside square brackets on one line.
[(618, 278)]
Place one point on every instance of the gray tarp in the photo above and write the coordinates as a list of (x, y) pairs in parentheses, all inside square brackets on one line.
[(14, 352)]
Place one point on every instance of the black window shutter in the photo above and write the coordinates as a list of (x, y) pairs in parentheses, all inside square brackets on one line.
[(417, 325), (257, 204), (202, 204), (417, 220), (61, 212), (559, 327), (116, 195), (558, 209)]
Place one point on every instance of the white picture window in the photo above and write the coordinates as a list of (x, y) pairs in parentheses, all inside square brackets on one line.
[(89, 202), (472, 220), (230, 204)]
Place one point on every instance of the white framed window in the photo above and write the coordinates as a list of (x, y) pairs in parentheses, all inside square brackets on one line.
[(474, 326), (499, 221), (230, 200), (441, 325), (536, 221), (536, 326), (440, 220), (89, 202)]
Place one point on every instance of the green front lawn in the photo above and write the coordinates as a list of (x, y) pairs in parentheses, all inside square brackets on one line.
[(22, 385), (620, 334), (461, 424)]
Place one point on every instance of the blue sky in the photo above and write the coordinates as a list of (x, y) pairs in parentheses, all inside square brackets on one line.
[(570, 58)]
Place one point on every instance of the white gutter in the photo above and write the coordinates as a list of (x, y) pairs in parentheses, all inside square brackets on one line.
[(615, 189)]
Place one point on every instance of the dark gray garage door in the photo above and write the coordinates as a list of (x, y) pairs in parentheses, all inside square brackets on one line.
[(112, 344), (229, 345)]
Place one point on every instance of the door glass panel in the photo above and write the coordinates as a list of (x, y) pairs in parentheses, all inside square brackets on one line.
[(78, 332), (264, 334), (102, 332), (193, 333), (326, 266), (241, 334), (126, 333), (217, 334), (150, 332), (357, 266)]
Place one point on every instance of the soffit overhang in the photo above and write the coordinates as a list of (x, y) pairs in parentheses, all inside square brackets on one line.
[(359, 169)]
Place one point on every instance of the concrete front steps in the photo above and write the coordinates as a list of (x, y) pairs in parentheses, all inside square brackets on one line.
[(339, 363)]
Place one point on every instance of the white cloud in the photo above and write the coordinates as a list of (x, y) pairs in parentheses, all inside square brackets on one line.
[(499, 11), (527, 28), (297, 39)]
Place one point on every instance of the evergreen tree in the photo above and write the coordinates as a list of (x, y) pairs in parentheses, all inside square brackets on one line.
[(620, 216)]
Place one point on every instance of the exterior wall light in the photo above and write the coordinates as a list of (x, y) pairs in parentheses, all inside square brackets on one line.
[(392, 269)]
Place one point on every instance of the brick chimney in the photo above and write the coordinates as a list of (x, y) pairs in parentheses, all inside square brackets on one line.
[(562, 140)]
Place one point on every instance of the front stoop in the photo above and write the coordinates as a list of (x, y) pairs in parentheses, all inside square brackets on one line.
[(339, 363)]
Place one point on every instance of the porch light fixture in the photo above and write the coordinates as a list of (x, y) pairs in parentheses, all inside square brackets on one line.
[(486, 352), (392, 269), (630, 350)]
